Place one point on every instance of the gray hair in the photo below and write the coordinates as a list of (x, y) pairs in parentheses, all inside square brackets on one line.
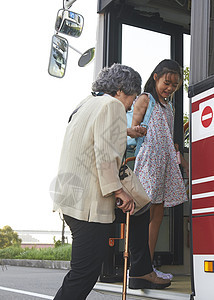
[(118, 77)]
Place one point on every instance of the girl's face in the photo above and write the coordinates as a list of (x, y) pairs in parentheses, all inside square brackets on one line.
[(166, 85)]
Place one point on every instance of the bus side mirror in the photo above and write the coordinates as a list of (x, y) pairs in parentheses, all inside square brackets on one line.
[(58, 56), (86, 57), (70, 23)]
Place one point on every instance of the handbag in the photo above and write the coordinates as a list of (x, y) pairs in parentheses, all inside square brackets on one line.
[(133, 187)]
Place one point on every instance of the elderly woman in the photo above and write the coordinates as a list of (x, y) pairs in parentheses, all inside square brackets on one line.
[(88, 181)]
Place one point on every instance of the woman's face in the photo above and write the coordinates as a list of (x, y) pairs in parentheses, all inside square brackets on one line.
[(166, 85), (127, 100)]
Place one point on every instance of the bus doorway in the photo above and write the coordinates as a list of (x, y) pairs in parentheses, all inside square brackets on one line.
[(149, 49), (128, 28)]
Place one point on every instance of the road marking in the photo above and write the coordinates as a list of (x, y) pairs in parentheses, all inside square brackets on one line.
[(25, 293)]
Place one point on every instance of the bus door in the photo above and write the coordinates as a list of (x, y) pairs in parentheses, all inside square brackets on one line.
[(130, 32), (202, 188)]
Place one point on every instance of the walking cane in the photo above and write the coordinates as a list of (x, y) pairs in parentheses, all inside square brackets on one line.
[(126, 250), (126, 255)]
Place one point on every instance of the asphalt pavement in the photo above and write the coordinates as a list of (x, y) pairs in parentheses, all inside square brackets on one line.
[(27, 283)]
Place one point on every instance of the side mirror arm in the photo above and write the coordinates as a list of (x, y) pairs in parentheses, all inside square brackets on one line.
[(68, 3)]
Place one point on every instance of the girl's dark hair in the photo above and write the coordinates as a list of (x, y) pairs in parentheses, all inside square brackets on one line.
[(166, 66)]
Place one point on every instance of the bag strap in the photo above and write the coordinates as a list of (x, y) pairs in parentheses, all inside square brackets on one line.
[(93, 94), (148, 113), (145, 122), (69, 120), (171, 106), (123, 167)]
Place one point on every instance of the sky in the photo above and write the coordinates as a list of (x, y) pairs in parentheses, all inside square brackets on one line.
[(35, 106)]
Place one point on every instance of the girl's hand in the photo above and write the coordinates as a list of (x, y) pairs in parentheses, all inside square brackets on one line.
[(184, 163), (127, 201), (176, 147)]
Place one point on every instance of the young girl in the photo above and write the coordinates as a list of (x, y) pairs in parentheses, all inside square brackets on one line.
[(156, 164)]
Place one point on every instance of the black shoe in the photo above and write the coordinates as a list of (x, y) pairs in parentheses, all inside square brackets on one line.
[(148, 281)]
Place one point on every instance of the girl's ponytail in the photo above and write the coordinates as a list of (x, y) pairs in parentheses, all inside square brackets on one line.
[(150, 87)]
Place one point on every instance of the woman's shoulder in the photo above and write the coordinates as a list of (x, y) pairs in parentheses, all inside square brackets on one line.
[(109, 102)]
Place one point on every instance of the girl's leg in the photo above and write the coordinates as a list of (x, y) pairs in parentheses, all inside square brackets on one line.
[(156, 217)]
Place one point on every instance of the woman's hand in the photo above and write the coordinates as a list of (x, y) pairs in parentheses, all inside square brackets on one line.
[(127, 201), (136, 131)]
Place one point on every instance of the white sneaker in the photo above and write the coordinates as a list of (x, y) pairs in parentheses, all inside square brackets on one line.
[(163, 275)]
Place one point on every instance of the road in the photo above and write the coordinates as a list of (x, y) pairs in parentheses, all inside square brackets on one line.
[(25, 283)]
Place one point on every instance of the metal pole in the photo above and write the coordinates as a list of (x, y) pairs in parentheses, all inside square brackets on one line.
[(63, 231), (75, 49)]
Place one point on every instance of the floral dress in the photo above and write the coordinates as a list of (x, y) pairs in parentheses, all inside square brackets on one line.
[(156, 164)]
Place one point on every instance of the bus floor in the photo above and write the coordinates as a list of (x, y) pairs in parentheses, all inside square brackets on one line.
[(180, 289)]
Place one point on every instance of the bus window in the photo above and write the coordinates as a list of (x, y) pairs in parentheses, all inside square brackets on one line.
[(211, 41), (143, 49)]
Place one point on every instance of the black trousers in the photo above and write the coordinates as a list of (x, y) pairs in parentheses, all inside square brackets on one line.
[(89, 247)]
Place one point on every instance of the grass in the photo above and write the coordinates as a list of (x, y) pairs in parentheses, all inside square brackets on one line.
[(62, 252)]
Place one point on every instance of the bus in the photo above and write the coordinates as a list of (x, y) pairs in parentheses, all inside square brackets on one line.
[(186, 241)]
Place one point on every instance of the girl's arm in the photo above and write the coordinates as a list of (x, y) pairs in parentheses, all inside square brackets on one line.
[(140, 108)]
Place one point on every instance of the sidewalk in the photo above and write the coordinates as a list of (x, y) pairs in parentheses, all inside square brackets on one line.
[(48, 264)]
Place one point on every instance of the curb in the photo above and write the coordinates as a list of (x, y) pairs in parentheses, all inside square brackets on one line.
[(48, 264)]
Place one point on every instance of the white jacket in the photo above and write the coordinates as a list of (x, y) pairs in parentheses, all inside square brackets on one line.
[(93, 147)]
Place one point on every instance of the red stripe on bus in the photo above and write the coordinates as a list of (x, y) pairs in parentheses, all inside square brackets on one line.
[(203, 237), (202, 203), (204, 187), (195, 105), (203, 158)]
